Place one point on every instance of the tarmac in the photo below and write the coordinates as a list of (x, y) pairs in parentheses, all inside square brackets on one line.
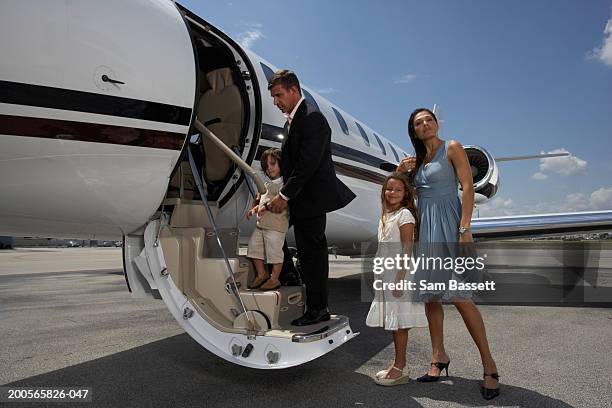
[(68, 320)]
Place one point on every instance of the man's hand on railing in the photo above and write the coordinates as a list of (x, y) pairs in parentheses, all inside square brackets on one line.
[(277, 204)]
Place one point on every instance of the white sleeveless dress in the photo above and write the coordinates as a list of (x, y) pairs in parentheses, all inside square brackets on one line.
[(388, 311)]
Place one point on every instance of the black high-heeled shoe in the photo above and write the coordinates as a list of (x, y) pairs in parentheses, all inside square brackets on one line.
[(434, 378), (490, 393)]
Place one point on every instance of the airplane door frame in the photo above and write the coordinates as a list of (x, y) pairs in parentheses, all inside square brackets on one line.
[(253, 112)]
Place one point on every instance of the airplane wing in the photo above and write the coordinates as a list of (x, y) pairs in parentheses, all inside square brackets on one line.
[(541, 224), (533, 156)]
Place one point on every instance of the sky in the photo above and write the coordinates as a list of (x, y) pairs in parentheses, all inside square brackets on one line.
[(515, 77)]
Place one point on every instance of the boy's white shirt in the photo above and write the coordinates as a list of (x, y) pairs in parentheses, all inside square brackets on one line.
[(278, 222)]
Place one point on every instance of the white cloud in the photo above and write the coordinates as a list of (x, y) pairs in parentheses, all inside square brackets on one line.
[(574, 202), (326, 91), (601, 199), (247, 38), (498, 206), (598, 200), (565, 165), (539, 176), (604, 52), (404, 79)]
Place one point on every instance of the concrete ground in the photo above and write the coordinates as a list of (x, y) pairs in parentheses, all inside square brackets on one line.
[(67, 319)]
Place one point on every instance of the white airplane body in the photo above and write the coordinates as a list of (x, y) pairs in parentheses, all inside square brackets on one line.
[(98, 103)]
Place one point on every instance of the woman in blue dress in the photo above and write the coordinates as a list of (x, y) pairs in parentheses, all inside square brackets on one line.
[(436, 171)]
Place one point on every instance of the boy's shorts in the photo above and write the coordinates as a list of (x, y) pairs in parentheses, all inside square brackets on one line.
[(267, 245)]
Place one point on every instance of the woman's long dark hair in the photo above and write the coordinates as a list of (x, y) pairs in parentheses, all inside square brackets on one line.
[(419, 147), (407, 200)]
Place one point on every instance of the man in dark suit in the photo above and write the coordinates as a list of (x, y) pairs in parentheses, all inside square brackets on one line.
[(311, 188)]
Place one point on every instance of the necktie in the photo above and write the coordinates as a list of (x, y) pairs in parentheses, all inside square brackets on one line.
[(288, 122)]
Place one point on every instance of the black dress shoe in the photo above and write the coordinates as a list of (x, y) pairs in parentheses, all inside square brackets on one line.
[(289, 281), (312, 317)]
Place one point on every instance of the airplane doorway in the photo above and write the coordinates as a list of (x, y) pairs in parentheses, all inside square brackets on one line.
[(227, 103)]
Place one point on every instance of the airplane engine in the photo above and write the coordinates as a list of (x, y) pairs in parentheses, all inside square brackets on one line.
[(485, 173)]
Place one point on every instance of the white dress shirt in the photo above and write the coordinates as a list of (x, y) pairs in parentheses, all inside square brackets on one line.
[(289, 119), (292, 114)]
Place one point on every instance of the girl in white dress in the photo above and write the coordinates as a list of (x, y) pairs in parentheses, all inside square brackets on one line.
[(396, 310)]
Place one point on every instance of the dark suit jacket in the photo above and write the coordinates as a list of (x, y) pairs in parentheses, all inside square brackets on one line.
[(309, 177)]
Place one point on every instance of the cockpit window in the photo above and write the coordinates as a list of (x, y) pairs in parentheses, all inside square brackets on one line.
[(364, 135), (341, 121)]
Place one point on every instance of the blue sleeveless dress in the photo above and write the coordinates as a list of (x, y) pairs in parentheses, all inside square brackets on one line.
[(439, 209)]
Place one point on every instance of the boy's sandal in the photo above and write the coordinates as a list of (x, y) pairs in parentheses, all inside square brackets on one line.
[(257, 282), (270, 285)]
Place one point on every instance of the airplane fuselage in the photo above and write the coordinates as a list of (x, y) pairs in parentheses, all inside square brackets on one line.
[(84, 156)]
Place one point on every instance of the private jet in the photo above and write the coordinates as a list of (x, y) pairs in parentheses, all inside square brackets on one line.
[(139, 119)]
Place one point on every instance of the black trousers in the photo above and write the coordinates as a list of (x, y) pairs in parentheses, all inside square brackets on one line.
[(289, 275), (312, 251)]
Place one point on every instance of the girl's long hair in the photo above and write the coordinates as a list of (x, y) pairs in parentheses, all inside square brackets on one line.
[(419, 147), (407, 201)]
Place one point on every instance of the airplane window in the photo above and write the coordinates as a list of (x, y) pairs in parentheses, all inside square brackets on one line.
[(364, 135), (382, 146), (309, 98), (267, 71), (341, 121), (394, 152)]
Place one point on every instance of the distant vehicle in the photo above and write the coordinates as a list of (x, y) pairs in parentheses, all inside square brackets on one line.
[(72, 243), (6, 242), (116, 244)]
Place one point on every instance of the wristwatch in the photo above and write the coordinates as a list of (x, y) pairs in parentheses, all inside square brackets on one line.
[(463, 230)]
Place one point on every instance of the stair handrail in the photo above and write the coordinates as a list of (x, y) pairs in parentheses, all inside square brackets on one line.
[(261, 187), (196, 176)]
